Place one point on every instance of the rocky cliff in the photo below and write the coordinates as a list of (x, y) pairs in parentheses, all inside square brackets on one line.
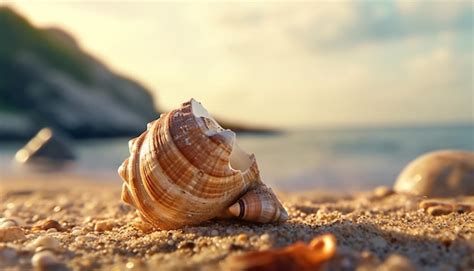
[(46, 79)]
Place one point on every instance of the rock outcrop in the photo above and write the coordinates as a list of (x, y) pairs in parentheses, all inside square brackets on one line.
[(46, 79)]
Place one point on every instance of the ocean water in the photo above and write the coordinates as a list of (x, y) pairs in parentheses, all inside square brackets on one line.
[(338, 159)]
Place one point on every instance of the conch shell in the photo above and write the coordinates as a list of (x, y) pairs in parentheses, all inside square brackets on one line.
[(443, 173), (186, 169)]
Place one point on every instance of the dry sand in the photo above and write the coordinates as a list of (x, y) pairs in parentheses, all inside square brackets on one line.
[(95, 230)]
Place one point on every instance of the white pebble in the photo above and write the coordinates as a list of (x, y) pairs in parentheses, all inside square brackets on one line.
[(44, 259), (7, 224), (47, 242), (265, 237)]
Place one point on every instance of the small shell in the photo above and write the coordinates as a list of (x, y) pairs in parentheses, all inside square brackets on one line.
[(186, 169), (259, 205), (439, 174)]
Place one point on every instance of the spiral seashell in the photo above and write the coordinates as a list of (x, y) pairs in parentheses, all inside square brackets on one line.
[(259, 205), (439, 174), (186, 169)]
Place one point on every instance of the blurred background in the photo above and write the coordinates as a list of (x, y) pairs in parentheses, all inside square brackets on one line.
[(327, 95)]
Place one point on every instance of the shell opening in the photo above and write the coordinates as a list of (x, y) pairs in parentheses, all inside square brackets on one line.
[(239, 159)]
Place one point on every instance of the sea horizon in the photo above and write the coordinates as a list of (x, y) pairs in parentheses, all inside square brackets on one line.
[(353, 158)]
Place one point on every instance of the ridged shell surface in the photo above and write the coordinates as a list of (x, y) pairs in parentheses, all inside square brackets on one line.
[(179, 170), (259, 205)]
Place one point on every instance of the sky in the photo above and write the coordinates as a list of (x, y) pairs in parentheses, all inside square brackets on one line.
[(286, 64)]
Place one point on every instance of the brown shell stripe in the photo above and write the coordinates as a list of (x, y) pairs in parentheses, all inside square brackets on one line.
[(242, 208), (180, 170), (198, 148)]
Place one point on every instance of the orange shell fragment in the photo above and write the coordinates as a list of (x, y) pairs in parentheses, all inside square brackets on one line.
[(298, 256)]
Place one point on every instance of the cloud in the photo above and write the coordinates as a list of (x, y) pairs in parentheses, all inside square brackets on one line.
[(328, 25), (305, 64)]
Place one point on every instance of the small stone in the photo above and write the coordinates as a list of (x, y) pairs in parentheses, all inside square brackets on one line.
[(367, 255), (397, 262), (142, 226), (265, 237), (46, 225), (76, 232), (242, 237), (214, 232), (11, 234), (135, 264), (439, 210), (47, 242), (425, 204), (7, 222), (382, 191), (35, 218), (104, 225), (44, 259)]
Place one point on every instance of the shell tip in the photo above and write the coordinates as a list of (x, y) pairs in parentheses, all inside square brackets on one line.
[(234, 209)]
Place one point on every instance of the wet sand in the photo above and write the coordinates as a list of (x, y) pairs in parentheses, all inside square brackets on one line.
[(68, 223)]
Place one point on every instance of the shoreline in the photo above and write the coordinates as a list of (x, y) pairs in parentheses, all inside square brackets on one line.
[(96, 230)]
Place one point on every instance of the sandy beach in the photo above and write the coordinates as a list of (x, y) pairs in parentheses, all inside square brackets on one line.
[(83, 225)]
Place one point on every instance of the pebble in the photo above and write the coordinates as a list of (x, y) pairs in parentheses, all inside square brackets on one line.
[(76, 232), (8, 224), (47, 242), (104, 225), (47, 224), (265, 237), (242, 237), (382, 191), (142, 226), (214, 232), (425, 204), (439, 210), (57, 209), (35, 218), (51, 230), (11, 234), (397, 262), (44, 259), (11, 221)]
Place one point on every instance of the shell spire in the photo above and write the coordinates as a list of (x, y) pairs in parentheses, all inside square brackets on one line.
[(259, 205), (186, 169)]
